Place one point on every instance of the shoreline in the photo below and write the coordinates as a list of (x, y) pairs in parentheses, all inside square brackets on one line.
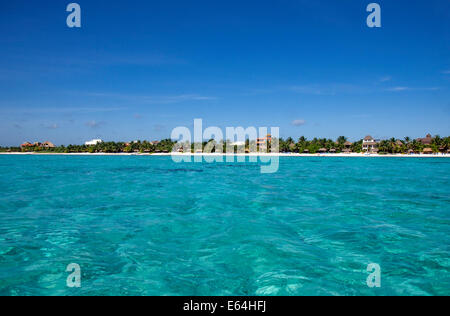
[(354, 155)]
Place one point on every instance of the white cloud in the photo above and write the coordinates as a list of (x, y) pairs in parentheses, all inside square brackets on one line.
[(94, 124), (51, 126), (298, 122), (153, 99), (397, 89), (329, 89), (60, 110), (401, 89)]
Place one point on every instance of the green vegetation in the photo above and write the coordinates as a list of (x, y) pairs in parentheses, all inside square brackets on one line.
[(394, 146), (313, 146), (289, 145), (106, 147)]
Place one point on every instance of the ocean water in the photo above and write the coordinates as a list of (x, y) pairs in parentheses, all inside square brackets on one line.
[(149, 226)]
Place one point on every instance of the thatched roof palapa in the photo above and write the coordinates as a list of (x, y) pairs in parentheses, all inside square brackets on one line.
[(426, 141)]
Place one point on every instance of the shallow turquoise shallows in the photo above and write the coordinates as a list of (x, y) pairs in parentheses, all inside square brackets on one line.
[(148, 226)]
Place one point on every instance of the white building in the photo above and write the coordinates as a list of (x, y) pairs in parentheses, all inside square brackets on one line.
[(93, 142), (370, 145)]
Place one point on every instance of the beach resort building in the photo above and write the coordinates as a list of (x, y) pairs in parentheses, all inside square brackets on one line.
[(370, 145), (426, 141), (48, 145), (347, 147), (238, 144), (263, 142), (93, 142), (26, 145)]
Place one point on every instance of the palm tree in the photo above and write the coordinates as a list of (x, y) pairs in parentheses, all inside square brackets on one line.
[(302, 140), (341, 140), (437, 140)]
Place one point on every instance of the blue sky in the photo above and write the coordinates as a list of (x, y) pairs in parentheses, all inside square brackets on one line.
[(137, 69)]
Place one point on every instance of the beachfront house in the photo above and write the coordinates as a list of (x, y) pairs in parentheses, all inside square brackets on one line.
[(347, 147), (262, 142), (93, 142), (48, 144), (428, 151), (370, 145), (426, 141), (28, 145)]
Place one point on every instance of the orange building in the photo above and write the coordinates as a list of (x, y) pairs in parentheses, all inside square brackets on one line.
[(262, 143), (265, 140)]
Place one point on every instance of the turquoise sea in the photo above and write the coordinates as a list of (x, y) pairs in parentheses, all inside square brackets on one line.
[(148, 226)]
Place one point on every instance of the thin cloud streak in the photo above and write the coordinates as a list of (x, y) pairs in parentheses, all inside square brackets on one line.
[(94, 124), (329, 89), (59, 110), (151, 99), (50, 126), (401, 89), (298, 122)]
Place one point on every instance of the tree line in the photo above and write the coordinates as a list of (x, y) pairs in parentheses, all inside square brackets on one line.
[(288, 145)]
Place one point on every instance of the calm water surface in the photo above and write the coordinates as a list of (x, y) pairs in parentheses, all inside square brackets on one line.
[(148, 226)]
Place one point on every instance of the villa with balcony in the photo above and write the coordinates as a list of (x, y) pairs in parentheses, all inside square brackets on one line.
[(370, 145)]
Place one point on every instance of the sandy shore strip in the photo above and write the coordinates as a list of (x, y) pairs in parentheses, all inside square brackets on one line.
[(249, 155)]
